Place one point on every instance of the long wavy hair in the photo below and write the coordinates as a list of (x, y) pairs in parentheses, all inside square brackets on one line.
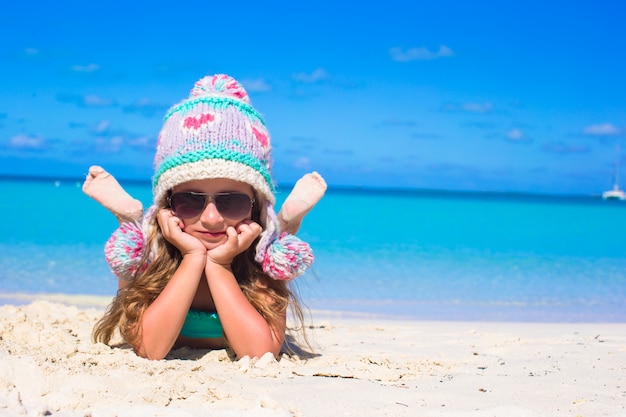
[(271, 298)]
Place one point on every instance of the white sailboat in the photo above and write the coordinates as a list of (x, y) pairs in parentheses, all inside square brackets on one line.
[(616, 193)]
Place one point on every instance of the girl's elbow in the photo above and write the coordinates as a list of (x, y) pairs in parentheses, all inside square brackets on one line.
[(154, 354), (259, 351)]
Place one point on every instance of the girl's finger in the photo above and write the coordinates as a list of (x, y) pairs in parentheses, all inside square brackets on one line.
[(249, 225)]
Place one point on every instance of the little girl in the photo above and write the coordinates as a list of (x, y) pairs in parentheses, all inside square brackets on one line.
[(207, 266)]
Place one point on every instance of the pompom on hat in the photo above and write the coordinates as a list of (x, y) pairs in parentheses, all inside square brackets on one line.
[(215, 133)]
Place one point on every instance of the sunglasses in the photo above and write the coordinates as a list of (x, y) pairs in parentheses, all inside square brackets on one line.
[(234, 206)]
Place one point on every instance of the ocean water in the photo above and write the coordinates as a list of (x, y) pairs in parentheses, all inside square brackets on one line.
[(419, 255)]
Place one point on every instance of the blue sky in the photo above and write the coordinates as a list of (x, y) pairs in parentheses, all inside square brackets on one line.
[(519, 96)]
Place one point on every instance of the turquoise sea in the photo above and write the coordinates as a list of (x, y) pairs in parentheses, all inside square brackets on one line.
[(414, 254)]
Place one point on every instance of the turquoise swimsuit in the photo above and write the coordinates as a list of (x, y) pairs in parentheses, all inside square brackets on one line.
[(201, 324)]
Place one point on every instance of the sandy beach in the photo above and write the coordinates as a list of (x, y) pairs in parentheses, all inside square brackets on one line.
[(361, 367)]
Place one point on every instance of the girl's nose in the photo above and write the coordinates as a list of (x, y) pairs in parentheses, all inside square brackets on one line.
[(210, 215)]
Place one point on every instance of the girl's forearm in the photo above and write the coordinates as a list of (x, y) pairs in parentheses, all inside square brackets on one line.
[(164, 318), (247, 331)]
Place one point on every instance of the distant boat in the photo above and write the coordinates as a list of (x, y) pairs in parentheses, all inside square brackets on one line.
[(616, 193)]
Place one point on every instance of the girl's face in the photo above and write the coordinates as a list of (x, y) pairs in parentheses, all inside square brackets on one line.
[(209, 225)]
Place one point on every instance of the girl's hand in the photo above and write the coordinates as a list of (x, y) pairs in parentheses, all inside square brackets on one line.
[(239, 239), (171, 228)]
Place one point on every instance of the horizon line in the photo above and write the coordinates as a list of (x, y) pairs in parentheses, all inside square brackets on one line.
[(346, 188)]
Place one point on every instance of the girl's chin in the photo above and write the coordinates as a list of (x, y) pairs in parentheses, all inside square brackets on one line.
[(213, 245)]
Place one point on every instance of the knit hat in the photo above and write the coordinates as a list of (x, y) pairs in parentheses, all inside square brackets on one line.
[(216, 133)]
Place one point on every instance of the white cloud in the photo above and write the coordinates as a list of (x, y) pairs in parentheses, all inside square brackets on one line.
[(604, 129), (515, 135), (470, 107), (86, 68), (302, 162), (319, 74), (23, 141), (142, 142), (478, 107), (419, 54), (91, 100), (256, 86), (109, 145), (101, 127)]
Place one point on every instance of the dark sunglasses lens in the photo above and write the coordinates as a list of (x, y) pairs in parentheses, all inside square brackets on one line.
[(186, 205), (233, 205)]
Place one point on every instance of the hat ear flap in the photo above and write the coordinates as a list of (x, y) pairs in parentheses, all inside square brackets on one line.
[(282, 257), (124, 249), (287, 258)]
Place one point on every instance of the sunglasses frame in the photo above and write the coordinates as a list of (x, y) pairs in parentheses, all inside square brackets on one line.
[(209, 198)]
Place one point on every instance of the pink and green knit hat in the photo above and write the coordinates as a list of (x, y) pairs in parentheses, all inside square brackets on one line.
[(215, 133)]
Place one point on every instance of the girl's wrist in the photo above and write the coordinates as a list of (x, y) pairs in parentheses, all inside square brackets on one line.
[(212, 264), (196, 257)]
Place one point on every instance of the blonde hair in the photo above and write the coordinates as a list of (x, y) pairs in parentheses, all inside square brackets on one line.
[(271, 298)]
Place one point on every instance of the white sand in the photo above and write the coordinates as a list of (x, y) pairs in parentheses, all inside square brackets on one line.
[(365, 367)]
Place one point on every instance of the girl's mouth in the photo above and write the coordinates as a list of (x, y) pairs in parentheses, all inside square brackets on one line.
[(212, 235)]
